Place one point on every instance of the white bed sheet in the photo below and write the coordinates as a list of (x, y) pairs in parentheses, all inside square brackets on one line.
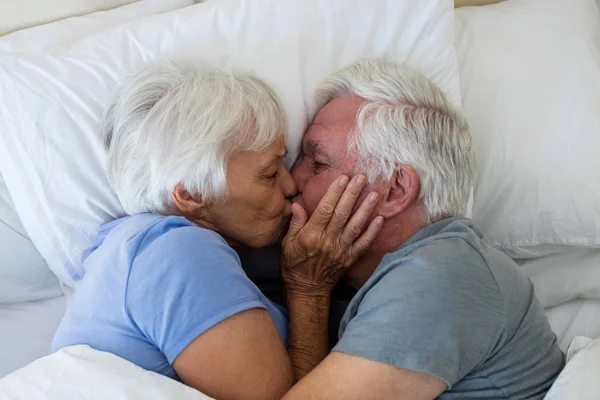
[(568, 287), (580, 317), (559, 278), (26, 331), (24, 274)]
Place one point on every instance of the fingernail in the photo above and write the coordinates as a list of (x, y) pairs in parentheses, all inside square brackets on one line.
[(379, 220), (373, 197), (360, 179), (343, 181)]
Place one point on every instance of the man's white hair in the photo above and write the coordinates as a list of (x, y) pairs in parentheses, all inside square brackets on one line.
[(172, 124), (407, 119)]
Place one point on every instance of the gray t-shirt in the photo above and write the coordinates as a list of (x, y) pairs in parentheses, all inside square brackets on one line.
[(448, 304)]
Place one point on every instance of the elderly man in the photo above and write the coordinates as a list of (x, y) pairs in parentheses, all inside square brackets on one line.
[(438, 313)]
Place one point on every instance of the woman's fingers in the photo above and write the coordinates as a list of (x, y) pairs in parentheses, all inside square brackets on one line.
[(355, 226), (324, 211), (362, 244), (345, 205), (298, 221)]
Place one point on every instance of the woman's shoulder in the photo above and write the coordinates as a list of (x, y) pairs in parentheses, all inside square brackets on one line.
[(158, 242), (148, 228), (176, 235), (176, 253)]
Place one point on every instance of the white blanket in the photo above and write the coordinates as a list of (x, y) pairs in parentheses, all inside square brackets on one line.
[(580, 380), (80, 372)]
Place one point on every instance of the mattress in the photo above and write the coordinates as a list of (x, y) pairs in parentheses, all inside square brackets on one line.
[(26, 331)]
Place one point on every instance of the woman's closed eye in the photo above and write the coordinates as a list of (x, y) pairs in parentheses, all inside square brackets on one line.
[(272, 176)]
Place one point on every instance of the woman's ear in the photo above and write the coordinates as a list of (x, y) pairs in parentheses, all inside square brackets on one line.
[(403, 191), (185, 202)]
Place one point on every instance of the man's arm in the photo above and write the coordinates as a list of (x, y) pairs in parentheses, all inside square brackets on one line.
[(347, 377)]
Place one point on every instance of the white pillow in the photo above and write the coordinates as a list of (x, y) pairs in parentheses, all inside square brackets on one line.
[(530, 82), (71, 29), (28, 13), (579, 380), (24, 274), (50, 149)]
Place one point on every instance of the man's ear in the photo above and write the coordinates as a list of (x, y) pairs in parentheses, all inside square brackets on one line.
[(185, 202), (403, 191)]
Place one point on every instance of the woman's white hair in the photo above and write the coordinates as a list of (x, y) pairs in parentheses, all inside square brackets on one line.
[(171, 124), (407, 119)]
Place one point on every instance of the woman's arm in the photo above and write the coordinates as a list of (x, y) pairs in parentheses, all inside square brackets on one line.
[(308, 343), (316, 254), (241, 357)]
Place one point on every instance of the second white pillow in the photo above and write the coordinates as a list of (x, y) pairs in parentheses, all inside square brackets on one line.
[(530, 79)]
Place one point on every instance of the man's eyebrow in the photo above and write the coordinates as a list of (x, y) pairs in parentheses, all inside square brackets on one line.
[(315, 147), (318, 150)]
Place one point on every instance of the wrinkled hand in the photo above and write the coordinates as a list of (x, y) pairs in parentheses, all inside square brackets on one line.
[(317, 252)]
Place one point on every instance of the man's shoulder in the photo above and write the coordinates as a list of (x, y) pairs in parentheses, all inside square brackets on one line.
[(440, 271), (451, 254)]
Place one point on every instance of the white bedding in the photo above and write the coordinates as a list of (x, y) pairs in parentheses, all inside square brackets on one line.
[(578, 317), (568, 287), (25, 13), (26, 330), (80, 372), (24, 274), (579, 380), (560, 278), (65, 31)]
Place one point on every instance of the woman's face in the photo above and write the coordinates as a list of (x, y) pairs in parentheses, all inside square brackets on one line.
[(258, 209)]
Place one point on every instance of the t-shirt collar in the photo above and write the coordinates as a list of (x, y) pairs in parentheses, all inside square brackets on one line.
[(428, 231)]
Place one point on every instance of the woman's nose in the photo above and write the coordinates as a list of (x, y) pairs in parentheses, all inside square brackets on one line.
[(289, 186), (299, 175)]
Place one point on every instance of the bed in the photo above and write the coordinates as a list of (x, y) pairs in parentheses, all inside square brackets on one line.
[(559, 250)]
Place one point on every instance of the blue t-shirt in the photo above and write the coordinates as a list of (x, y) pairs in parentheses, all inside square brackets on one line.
[(154, 284), (448, 304)]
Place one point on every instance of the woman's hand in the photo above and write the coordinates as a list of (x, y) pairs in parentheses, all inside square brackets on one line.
[(317, 252)]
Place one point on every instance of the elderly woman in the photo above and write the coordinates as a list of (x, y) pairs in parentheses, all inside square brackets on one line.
[(196, 159)]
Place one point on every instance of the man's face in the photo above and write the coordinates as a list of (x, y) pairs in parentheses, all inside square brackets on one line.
[(325, 157)]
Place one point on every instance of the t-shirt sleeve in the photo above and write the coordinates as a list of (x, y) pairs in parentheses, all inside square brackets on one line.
[(442, 317), (182, 283)]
